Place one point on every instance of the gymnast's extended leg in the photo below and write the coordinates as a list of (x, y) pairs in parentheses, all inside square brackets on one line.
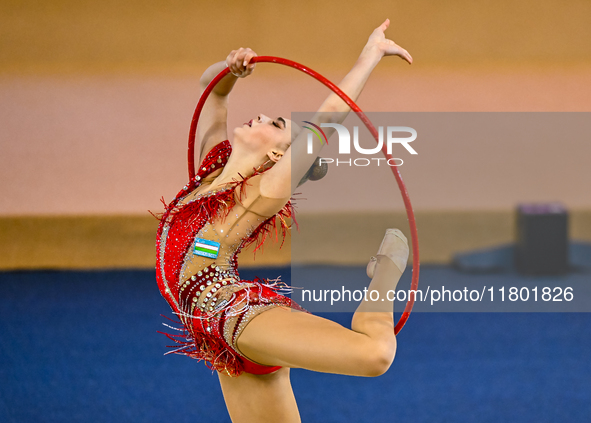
[(281, 337)]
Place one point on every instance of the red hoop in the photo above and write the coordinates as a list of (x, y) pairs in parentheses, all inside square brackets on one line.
[(370, 127)]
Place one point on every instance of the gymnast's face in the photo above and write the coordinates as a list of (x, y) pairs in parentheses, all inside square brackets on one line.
[(267, 136)]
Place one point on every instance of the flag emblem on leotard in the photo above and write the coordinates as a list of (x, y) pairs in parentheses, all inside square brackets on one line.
[(206, 248)]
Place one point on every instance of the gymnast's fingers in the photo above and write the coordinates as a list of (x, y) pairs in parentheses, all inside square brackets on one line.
[(249, 67), (229, 58), (239, 69), (393, 49), (248, 58), (232, 62), (405, 55), (384, 26)]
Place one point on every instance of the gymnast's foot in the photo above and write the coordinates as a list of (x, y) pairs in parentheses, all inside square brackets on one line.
[(394, 247)]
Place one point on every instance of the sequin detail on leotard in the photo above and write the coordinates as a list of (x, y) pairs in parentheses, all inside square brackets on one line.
[(207, 295)]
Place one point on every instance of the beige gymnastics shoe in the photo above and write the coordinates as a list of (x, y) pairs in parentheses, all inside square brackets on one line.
[(395, 247)]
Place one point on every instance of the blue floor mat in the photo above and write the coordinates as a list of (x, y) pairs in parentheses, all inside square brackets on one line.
[(84, 347)]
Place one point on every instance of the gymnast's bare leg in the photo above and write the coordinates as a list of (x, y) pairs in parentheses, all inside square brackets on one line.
[(281, 337)]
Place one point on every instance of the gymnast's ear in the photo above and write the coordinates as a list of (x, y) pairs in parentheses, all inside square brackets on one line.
[(275, 155)]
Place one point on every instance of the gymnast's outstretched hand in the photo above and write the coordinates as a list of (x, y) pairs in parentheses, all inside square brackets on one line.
[(239, 62), (380, 45)]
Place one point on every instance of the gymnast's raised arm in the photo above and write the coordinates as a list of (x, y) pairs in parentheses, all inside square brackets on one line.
[(281, 180), (212, 128)]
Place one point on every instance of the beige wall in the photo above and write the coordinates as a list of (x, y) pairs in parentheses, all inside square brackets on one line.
[(96, 97), (112, 144), (139, 35)]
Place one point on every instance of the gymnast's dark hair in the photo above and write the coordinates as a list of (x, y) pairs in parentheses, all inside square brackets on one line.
[(316, 172)]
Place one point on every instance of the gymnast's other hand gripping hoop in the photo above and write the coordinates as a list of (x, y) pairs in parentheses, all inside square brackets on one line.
[(370, 127)]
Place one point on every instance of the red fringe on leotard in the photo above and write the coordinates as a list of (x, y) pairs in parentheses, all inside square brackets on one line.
[(211, 347), (183, 222)]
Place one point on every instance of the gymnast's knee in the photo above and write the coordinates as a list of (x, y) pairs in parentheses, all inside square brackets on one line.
[(379, 359)]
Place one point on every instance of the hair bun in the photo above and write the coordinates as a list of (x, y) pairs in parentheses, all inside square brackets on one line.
[(316, 172)]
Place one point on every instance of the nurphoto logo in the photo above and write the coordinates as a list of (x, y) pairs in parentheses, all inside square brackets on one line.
[(345, 143)]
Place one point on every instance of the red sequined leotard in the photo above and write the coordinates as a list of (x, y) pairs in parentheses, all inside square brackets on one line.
[(204, 289)]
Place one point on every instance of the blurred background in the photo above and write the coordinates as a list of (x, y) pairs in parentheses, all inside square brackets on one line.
[(97, 98)]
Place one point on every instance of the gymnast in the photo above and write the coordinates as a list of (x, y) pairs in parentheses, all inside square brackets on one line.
[(245, 329)]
